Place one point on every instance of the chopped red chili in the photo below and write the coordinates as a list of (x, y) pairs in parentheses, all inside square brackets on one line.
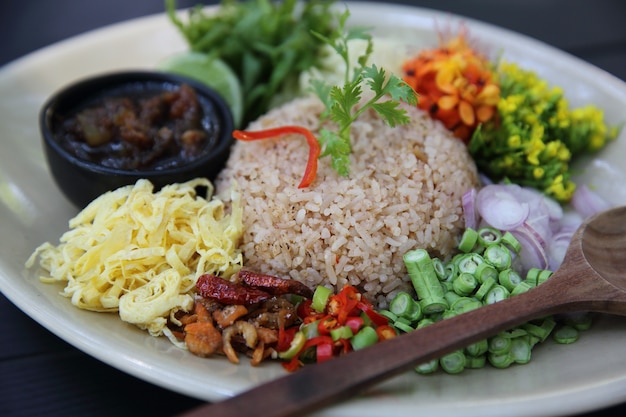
[(310, 171)]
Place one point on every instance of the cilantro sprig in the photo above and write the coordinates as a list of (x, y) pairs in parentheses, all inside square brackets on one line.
[(342, 102)]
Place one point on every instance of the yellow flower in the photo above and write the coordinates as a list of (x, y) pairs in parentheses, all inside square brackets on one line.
[(535, 147)]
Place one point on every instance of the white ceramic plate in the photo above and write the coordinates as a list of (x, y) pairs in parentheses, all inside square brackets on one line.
[(559, 380)]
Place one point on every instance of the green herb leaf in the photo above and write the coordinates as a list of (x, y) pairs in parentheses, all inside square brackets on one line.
[(341, 102), (338, 148), (266, 43)]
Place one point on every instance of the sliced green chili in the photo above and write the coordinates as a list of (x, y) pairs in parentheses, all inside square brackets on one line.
[(342, 332), (320, 298), (365, 337)]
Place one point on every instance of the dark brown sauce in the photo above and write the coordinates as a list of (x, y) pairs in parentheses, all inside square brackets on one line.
[(139, 130)]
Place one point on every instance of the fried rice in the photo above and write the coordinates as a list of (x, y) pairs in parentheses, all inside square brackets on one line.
[(403, 192)]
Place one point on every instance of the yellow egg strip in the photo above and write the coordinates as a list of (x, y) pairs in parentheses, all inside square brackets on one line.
[(140, 253)]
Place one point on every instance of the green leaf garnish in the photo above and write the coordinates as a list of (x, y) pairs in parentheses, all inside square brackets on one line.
[(341, 102)]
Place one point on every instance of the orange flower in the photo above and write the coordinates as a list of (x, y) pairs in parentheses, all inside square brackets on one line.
[(455, 85)]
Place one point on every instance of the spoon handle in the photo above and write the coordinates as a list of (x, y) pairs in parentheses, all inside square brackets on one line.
[(316, 386)]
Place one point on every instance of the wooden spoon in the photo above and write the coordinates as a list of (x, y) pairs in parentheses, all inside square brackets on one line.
[(591, 278)]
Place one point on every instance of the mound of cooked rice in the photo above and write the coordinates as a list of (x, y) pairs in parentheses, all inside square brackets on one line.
[(404, 192)]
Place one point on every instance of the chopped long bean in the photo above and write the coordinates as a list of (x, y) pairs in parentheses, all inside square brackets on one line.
[(500, 344), (424, 278), (488, 236), (521, 349), (483, 272), (468, 240), (565, 334), (453, 363), (477, 348)]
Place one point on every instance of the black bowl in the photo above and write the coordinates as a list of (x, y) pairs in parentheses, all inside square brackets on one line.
[(82, 180)]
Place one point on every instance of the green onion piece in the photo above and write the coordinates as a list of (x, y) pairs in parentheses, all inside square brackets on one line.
[(509, 278), (424, 279), (488, 236), (469, 262), (498, 256), (565, 334), (363, 338), (485, 271), (342, 332), (495, 294), (475, 362), (428, 367), (484, 288), (464, 284), (511, 241), (503, 360), (499, 344), (296, 345), (520, 288), (403, 305), (477, 348), (468, 240), (320, 298), (521, 349), (453, 362), (403, 326)]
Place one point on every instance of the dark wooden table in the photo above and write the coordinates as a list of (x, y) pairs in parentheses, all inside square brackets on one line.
[(41, 375)]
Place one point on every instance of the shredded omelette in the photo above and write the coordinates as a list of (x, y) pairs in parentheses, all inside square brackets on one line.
[(140, 253)]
